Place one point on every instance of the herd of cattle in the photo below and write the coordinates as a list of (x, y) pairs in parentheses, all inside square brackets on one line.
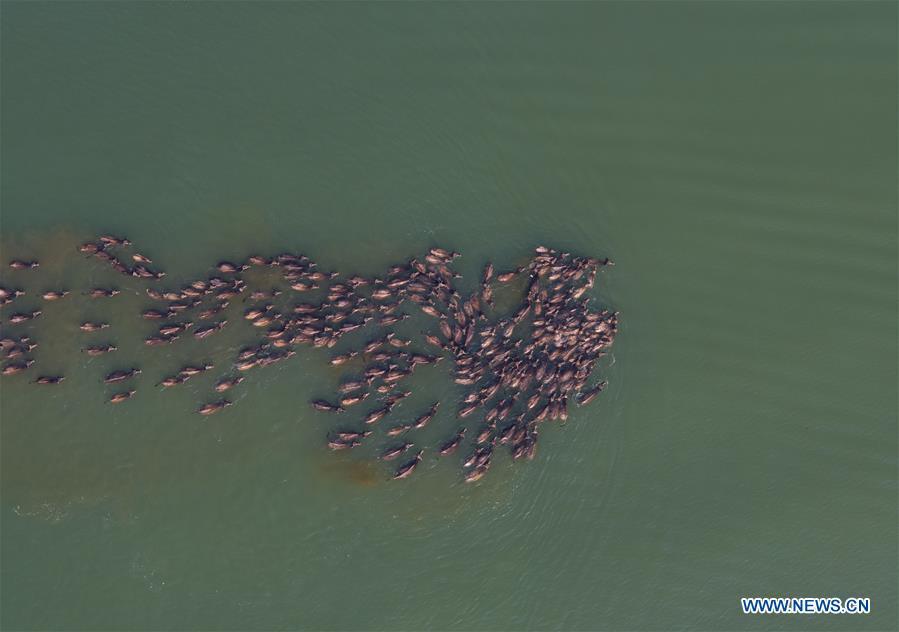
[(518, 369)]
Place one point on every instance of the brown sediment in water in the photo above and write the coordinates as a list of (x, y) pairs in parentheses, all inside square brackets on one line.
[(364, 473)]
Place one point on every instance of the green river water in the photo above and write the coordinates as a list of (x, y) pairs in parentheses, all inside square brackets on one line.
[(737, 160)]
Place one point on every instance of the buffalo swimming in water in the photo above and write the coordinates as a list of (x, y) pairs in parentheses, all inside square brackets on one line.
[(226, 383), (18, 264), (392, 453), (122, 396), (119, 376), (90, 326), (49, 379), (22, 317), (214, 407), (16, 367), (99, 292), (407, 468), (517, 368), (96, 350)]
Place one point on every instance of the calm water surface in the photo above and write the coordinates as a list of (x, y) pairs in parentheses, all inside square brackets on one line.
[(737, 160)]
